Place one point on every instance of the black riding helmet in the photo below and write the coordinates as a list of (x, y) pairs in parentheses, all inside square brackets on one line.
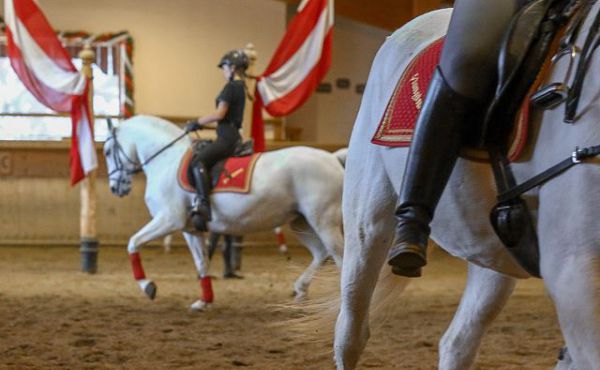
[(236, 58)]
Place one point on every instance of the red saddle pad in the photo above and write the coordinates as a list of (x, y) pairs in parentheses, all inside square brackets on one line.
[(235, 177), (397, 125)]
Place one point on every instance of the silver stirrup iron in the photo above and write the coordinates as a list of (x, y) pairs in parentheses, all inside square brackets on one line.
[(555, 93)]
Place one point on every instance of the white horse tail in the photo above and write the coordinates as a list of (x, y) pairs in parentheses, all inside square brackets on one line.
[(316, 316), (341, 155), (319, 315)]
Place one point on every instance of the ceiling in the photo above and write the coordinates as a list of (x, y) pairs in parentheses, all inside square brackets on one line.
[(387, 14)]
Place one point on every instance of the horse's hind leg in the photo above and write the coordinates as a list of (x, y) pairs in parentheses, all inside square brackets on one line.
[(311, 240), (485, 295), (368, 231)]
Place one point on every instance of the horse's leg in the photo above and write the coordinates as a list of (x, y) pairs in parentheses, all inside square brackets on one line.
[(158, 227), (327, 224), (196, 245), (311, 240), (570, 259), (368, 231), (573, 284), (485, 295)]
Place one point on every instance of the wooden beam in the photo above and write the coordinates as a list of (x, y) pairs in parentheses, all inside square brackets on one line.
[(424, 6), (387, 14)]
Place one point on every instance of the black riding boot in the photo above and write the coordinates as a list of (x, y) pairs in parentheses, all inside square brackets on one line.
[(437, 140), (201, 210)]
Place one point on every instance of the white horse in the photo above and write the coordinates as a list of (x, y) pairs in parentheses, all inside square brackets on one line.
[(566, 209), (300, 185)]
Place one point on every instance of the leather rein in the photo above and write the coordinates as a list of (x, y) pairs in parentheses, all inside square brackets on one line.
[(118, 153)]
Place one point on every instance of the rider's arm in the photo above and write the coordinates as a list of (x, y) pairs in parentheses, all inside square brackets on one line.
[(201, 122), (216, 116)]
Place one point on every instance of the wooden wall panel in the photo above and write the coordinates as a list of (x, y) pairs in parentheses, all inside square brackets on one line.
[(39, 207)]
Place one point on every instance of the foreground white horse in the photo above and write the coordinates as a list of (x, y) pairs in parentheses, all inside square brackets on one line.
[(567, 211), (300, 185)]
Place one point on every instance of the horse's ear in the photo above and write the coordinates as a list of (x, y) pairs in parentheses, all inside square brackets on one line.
[(110, 124)]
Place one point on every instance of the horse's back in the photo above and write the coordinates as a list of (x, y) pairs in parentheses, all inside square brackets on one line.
[(461, 225), (285, 182), (301, 167)]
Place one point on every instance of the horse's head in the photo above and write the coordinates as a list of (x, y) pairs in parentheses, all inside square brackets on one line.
[(121, 163)]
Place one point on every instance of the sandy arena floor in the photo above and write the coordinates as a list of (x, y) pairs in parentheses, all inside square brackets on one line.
[(54, 317)]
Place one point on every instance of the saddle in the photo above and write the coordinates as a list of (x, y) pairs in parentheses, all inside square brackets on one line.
[(525, 49), (242, 149)]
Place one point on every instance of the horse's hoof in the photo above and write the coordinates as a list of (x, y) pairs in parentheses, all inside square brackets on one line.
[(150, 290), (148, 287), (299, 296), (232, 275), (200, 306)]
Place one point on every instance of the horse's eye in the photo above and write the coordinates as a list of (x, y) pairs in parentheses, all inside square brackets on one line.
[(107, 152)]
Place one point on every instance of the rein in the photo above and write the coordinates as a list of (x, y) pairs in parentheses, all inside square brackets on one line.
[(137, 167)]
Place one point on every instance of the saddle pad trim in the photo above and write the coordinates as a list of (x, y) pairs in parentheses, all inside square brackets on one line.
[(402, 137), (182, 172)]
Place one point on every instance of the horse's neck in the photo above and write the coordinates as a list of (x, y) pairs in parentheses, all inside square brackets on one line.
[(148, 142)]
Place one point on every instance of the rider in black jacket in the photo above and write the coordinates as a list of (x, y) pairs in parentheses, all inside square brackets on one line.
[(229, 114), (458, 97)]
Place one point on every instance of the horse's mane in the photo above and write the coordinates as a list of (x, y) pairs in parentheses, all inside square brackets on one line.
[(151, 126)]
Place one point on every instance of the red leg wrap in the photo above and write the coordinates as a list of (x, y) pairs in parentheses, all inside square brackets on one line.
[(136, 265), (207, 292), (280, 238)]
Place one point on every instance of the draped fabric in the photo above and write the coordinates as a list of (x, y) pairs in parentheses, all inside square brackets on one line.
[(45, 68), (298, 65)]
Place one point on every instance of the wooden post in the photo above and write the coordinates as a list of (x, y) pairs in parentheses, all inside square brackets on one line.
[(251, 85), (89, 241)]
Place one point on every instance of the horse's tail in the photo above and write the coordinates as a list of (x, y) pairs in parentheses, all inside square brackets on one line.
[(341, 155), (316, 321)]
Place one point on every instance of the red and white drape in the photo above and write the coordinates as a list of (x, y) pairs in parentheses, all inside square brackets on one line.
[(45, 68), (298, 65)]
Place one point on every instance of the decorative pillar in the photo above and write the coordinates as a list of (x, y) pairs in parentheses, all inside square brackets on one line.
[(89, 240), (251, 85)]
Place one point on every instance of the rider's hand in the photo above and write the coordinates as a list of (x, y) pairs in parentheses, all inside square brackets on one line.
[(192, 125)]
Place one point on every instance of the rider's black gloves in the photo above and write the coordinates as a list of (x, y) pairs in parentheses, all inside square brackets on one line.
[(192, 125)]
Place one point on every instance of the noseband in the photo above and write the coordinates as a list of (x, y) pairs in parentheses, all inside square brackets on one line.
[(123, 172), (136, 167)]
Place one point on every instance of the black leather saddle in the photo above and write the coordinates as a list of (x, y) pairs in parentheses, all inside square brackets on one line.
[(243, 149)]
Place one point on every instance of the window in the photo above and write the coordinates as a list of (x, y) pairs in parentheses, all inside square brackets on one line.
[(22, 117)]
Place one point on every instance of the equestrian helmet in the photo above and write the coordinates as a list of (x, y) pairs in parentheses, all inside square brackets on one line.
[(236, 58)]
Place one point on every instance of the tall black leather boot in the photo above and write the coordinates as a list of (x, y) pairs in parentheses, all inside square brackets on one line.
[(201, 214), (436, 143)]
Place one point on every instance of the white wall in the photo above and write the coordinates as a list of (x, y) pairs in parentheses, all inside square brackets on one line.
[(178, 43)]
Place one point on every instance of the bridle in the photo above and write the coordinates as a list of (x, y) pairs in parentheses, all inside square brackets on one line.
[(118, 153), (124, 173)]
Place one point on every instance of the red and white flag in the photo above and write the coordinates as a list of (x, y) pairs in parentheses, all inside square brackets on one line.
[(45, 68), (298, 65)]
